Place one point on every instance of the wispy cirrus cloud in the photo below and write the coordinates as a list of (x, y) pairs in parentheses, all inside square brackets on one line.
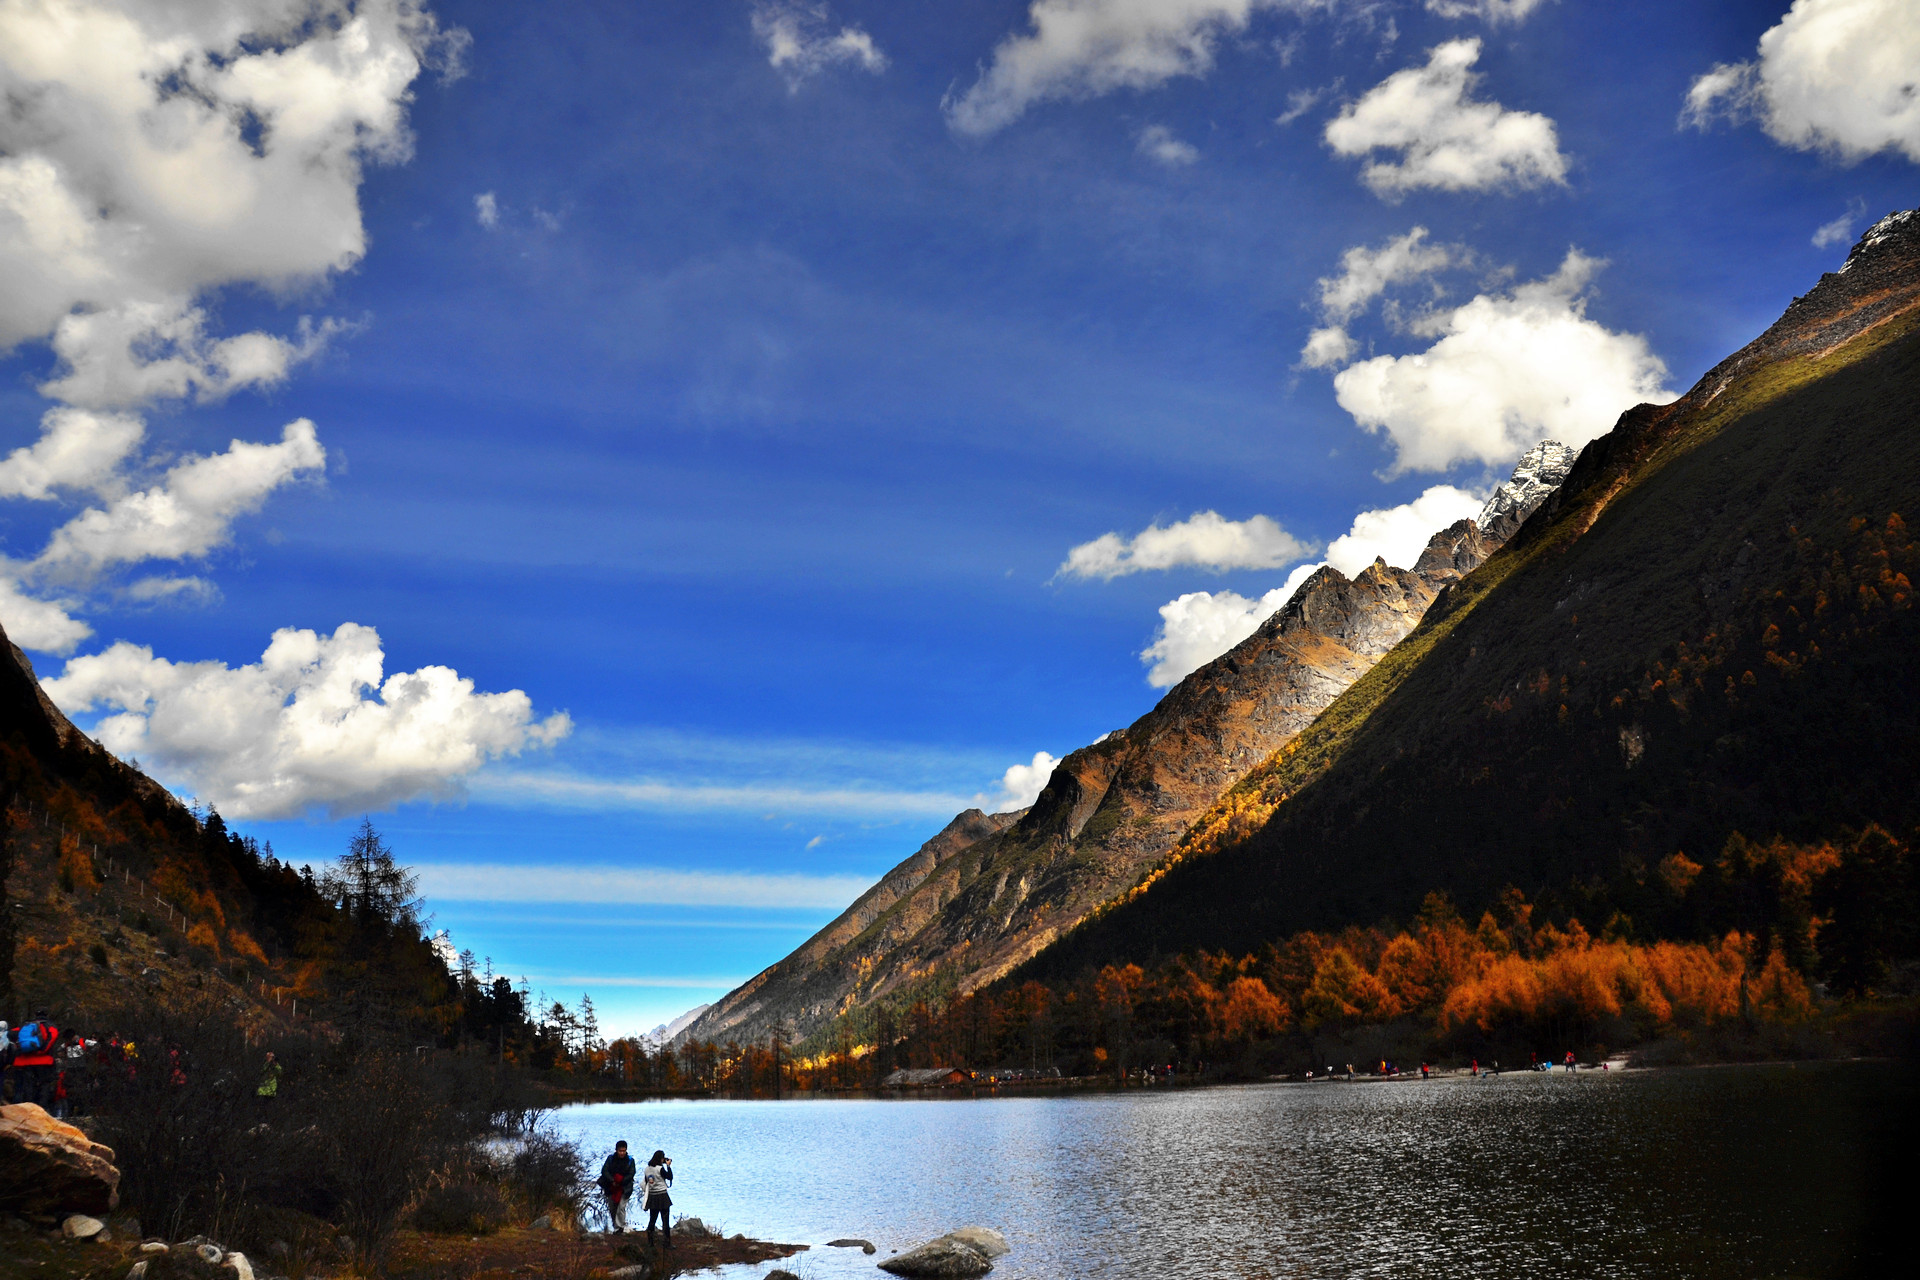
[(565, 790), (650, 886)]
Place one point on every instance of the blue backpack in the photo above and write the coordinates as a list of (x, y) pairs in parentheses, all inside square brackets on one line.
[(35, 1036)]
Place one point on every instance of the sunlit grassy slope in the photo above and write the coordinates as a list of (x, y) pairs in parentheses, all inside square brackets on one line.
[(1710, 629)]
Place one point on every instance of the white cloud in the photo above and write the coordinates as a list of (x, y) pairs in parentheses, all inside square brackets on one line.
[(1085, 48), (1366, 273), (152, 150), (1492, 12), (1508, 370), (1205, 539), (189, 513), (312, 726), (44, 626), (76, 450), (486, 210), (1446, 140), (1325, 348), (1841, 76), (1023, 783), (1840, 230), (141, 352), (801, 42), (1399, 534), (1158, 143), (644, 886), (1199, 626)]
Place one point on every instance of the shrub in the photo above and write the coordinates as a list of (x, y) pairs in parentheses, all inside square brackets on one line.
[(548, 1172), (467, 1208)]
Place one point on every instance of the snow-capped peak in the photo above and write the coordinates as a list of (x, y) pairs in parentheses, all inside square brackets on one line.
[(1537, 474)]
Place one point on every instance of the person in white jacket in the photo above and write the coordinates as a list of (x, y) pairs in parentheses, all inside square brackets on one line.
[(657, 1181)]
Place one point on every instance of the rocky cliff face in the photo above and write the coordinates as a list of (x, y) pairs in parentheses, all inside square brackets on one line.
[(990, 891)]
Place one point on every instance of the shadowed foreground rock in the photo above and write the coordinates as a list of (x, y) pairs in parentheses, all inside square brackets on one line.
[(50, 1167)]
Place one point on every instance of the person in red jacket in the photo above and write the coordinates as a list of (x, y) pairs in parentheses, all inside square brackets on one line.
[(33, 1060)]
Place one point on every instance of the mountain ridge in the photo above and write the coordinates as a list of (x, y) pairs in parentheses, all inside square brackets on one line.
[(991, 891), (1549, 724)]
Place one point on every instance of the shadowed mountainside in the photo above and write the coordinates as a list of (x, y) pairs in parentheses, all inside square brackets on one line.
[(989, 892), (1709, 628)]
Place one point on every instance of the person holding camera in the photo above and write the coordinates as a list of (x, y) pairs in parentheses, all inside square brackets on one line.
[(657, 1180)]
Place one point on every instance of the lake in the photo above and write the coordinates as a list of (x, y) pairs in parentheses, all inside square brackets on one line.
[(1704, 1172)]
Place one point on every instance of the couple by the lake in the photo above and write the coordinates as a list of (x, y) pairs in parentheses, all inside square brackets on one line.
[(618, 1183)]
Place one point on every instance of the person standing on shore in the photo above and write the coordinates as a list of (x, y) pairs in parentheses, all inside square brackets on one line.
[(616, 1182), (657, 1180)]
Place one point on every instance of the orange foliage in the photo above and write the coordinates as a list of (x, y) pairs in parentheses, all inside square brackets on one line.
[(76, 864), (1249, 1011), (201, 934), (241, 946)]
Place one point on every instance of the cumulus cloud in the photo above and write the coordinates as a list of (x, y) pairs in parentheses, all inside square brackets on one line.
[(1159, 143), (141, 352), (189, 513), (1507, 370), (1399, 534), (151, 153), (1199, 626), (76, 450), (1446, 140), (1365, 274), (45, 626), (1023, 783), (1085, 48), (486, 210), (152, 150), (314, 725), (800, 41), (1206, 540), (1839, 76)]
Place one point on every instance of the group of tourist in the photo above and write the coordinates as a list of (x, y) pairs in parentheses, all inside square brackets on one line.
[(618, 1182)]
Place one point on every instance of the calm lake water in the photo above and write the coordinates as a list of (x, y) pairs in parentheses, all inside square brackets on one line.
[(1737, 1172)]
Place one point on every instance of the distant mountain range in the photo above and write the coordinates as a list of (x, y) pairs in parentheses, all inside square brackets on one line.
[(990, 891)]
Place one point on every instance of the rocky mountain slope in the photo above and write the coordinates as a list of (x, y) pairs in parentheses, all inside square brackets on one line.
[(990, 891), (1708, 628)]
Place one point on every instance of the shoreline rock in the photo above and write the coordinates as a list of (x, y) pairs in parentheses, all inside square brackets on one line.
[(959, 1255)]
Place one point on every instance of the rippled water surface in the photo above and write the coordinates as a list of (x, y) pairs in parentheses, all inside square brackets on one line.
[(1747, 1172)]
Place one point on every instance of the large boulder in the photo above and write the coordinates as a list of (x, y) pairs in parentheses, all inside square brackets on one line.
[(985, 1239), (947, 1258), (50, 1167)]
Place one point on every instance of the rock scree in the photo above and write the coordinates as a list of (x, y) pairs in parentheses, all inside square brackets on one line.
[(848, 1242), (49, 1167), (958, 1255)]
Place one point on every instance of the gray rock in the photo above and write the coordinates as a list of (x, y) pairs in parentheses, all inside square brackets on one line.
[(638, 1271), (211, 1253), (543, 1223), (865, 1246), (693, 1227), (154, 1246), (946, 1258), (242, 1269), (779, 1273), (79, 1226), (985, 1239), (138, 1270)]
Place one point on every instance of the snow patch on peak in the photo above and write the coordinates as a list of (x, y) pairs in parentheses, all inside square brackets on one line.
[(1538, 473), (1880, 231)]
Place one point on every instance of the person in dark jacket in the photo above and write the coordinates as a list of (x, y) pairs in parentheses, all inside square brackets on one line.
[(34, 1073), (616, 1183), (657, 1180)]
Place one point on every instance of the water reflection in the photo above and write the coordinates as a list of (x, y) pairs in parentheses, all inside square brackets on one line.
[(1736, 1172)]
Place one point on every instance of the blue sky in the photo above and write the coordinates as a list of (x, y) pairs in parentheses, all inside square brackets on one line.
[(733, 381)]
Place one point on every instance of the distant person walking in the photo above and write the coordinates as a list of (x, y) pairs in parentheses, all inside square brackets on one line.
[(616, 1183), (658, 1180)]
